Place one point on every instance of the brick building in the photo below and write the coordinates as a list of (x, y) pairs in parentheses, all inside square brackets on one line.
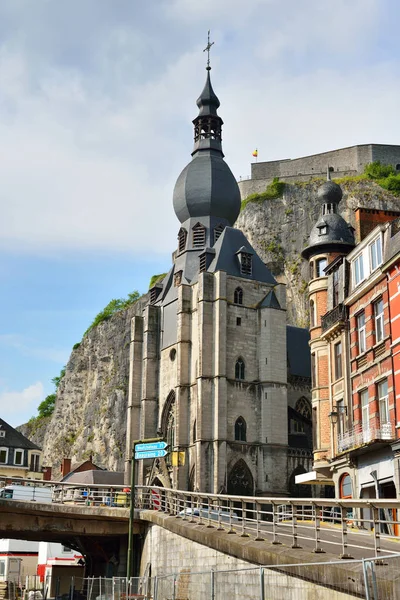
[(355, 337), (214, 368)]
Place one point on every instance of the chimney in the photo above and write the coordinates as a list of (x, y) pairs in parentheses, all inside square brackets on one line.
[(66, 466), (46, 473), (368, 218)]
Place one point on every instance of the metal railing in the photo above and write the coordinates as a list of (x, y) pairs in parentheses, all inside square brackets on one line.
[(316, 524), (367, 526), (359, 435), (336, 315)]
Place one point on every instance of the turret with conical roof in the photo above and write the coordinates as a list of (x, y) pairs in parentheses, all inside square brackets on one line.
[(331, 232)]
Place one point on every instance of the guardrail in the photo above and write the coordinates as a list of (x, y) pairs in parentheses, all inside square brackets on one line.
[(293, 520), (359, 435)]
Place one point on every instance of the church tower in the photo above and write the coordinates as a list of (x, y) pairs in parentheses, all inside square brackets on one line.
[(330, 240), (208, 362)]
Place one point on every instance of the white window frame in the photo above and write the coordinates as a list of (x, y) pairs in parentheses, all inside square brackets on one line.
[(383, 401), (364, 401), (6, 451), (379, 322), (2, 568), (2, 433), (358, 267), (18, 464), (375, 253), (321, 261), (361, 334)]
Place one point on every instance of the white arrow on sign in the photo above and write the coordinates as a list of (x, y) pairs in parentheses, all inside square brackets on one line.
[(150, 446)]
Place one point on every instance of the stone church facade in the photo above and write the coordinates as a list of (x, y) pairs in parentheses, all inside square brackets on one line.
[(214, 368)]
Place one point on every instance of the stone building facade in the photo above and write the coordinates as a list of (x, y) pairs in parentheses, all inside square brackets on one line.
[(214, 368), (342, 162)]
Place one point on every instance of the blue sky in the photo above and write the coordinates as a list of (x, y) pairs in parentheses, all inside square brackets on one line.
[(96, 103)]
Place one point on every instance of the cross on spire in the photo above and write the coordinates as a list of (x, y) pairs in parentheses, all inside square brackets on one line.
[(207, 49)]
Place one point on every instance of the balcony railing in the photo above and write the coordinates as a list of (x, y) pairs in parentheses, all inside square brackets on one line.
[(359, 435), (336, 315)]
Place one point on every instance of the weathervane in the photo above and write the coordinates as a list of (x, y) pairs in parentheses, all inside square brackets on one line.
[(207, 49)]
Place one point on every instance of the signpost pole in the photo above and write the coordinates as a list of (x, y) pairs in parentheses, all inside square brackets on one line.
[(129, 565)]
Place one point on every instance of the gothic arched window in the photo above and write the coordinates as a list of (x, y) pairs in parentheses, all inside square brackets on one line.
[(239, 369), (168, 423), (238, 296), (182, 237), (312, 313), (240, 430), (303, 407)]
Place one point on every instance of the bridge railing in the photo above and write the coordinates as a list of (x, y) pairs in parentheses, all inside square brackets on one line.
[(15, 488), (327, 522)]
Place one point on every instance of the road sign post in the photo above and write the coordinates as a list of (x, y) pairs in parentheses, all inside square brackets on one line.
[(136, 444)]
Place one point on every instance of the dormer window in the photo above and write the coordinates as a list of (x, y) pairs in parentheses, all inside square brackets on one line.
[(182, 237), (203, 262), (375, 253), (177, 278), (246, 261), (217, 232), (199, 236), (2, 433), (322, 229)]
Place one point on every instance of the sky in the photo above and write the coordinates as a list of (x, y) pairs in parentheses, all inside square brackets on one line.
[(96, 103)]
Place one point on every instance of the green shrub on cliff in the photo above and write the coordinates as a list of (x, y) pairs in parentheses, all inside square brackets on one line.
[(272, 191), (113, 307), (376, 170)]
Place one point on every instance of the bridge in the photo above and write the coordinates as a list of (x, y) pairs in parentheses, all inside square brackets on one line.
[(173, 530)]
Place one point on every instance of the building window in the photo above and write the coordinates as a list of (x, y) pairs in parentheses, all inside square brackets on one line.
[(379, 325), (322, 229), (297, 426), (239, 369), (341, 411), (2, 433), (3, 456), (246, 263), (335, 287), (238, 296), (383, 402), (361, 332), (337, 350), (2, 568), (358, 269), (203, 262), (345, 488), (217, 232), (35, 463), (303, 407), (240, 430), (321, 266), (375, 253), (312, 270), (313, 371), (365, 413), (312, 313), (199, 236), (18, 457), (182, 237), (238, 321)]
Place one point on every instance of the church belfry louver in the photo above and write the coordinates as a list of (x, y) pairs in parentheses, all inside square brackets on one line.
[(214, 368)]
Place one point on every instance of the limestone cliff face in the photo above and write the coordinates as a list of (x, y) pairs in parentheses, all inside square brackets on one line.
[(90, 412), (279, 229)]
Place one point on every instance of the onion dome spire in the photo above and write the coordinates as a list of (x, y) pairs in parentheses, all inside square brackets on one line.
[(207, 187)]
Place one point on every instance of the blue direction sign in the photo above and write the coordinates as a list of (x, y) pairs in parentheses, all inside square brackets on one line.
[(150, 454), (150, 446)]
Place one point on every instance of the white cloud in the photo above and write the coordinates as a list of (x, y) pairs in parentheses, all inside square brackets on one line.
[(95, 119), (17, 406)]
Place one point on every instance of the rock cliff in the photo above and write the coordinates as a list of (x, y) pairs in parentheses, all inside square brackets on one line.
[(90, 414), (279, 229)]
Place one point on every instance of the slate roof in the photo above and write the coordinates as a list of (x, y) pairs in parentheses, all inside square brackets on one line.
[(392, 245), (97, 477), (298, 351), (230, 241), (270, 301), (15, 439)]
